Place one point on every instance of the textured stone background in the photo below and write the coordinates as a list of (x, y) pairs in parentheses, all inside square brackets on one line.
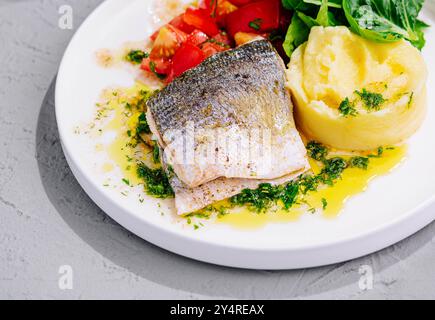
[(46, 220)]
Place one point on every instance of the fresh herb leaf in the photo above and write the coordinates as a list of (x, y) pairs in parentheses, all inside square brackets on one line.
[(309, 183), (385, 21), (347, 108), (297, 34), (289, 195), (377, 20), (259, 200), (156, 181), (142, 126), (420, 27), (308, 5), (323, 15), (379, 153), (372, 101), (324, 203), (256, 24), (359, 162), (156, 153), (317, 151), (266, 195), (307, 15), (411, 100), (136, 56), (333, 170)]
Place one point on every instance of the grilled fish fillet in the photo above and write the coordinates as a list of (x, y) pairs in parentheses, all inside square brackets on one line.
[(229, 117), (227, 125)]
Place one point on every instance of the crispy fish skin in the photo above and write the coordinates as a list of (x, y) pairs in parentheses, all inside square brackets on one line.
[(230, 94)]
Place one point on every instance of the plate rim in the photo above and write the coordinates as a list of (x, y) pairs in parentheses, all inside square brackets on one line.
[(159, 236)]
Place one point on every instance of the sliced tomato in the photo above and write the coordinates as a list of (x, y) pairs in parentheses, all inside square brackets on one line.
[(187, 57), (256, 17), (197, 37), (178, 22), (225, 7), (159, 66), (218, 8), (241, 2), (223, 37), (170, 77), (168, 41), (211, 48), (154, 35), (201, 20)]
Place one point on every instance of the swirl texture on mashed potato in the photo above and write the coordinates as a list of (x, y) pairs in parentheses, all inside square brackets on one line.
[(355, 94)]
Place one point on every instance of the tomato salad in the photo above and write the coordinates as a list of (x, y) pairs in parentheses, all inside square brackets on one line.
[(214, 26)]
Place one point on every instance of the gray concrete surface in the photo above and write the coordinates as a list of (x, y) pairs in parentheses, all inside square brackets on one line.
[(47, 221)]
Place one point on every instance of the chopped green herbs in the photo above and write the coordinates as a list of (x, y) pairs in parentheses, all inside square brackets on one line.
[(372, 101), (347, 108), (324, 203), (144, 95), (142, 126), (156, 181), (411, 100), (136, 56), (156, 153), (379, 153), (219, 43), (359, 162), (289, 195), (333, 169), (266, 195), (309, 183), (256, 24), (317, 151), (293, 193), (259, 199)]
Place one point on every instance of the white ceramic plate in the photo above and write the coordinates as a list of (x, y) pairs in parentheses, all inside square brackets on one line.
[(391, 209)]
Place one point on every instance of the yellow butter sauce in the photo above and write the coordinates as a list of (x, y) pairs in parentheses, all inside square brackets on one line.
[(244, 218), (122, 121), (354, 181), (122, 155)]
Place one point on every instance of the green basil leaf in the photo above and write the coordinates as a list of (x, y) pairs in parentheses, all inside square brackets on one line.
[(385, 20), (297, 34)]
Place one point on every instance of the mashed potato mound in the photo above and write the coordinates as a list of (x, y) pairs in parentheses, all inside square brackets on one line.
[(355, 94)]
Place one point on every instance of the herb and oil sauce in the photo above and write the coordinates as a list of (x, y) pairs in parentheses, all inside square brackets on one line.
[(136, 156), (335, 178)]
